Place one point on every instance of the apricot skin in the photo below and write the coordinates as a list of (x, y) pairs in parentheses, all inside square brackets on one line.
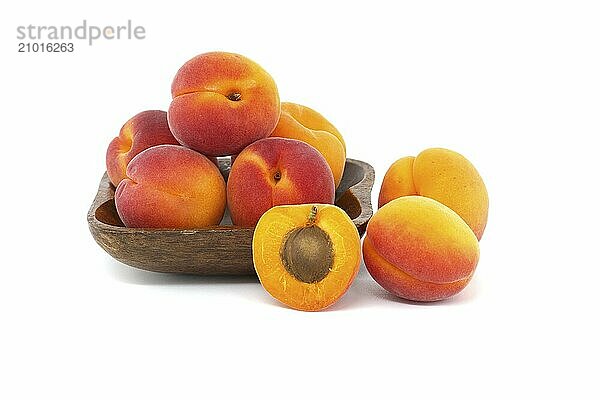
[(206, 113), (445, 176), (144, 130), (253, 187), (270, 234), (171, 187), (419, 249), (305, 124)]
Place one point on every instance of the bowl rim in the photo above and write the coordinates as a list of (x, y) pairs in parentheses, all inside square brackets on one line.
[(361, 190)]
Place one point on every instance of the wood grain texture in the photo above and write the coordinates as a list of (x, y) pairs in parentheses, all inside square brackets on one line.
[(219, 250)]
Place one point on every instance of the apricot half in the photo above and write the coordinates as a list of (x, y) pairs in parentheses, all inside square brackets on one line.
[(306, 256)]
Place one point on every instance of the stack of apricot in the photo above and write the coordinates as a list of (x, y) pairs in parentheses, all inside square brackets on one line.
[(287, 161)]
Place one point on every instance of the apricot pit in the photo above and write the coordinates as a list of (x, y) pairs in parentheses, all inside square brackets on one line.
[(307, 252)]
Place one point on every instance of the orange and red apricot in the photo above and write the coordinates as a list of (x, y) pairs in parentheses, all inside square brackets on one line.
[(142, 131), (419, 249), (171, 187), (221, 103), (276, 171)]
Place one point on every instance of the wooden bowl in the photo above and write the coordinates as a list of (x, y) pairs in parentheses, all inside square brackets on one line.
[(218, 250)]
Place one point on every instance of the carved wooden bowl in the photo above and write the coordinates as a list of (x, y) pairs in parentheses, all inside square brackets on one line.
[(218, 250)]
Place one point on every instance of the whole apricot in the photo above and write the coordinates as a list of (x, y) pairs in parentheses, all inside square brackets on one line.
[(222, 102), (142, 131), (276, 171), (419, 249), (443, 175), (171, 187)]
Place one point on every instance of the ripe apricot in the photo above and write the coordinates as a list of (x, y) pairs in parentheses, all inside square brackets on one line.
[(171, 186), (276, 171), (144, 130), (443, 175), (419, 249), (222, 102), (306, 256)]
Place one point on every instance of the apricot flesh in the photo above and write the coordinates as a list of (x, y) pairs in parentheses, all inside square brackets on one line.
[(306, 256), (443, 175)]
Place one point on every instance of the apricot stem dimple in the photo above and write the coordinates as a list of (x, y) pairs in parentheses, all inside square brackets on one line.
[(234, 96), (277, 176)]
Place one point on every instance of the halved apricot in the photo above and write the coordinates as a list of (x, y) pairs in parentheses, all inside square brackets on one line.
[(306, 256)]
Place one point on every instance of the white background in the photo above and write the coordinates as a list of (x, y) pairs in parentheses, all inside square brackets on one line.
[(512, 85)]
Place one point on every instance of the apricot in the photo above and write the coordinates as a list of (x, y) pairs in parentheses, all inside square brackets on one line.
[(276, 171), (171, 187), (222, 102), (419, 249), (305, 124), (146, 129), (445, 176), (306, 256)]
